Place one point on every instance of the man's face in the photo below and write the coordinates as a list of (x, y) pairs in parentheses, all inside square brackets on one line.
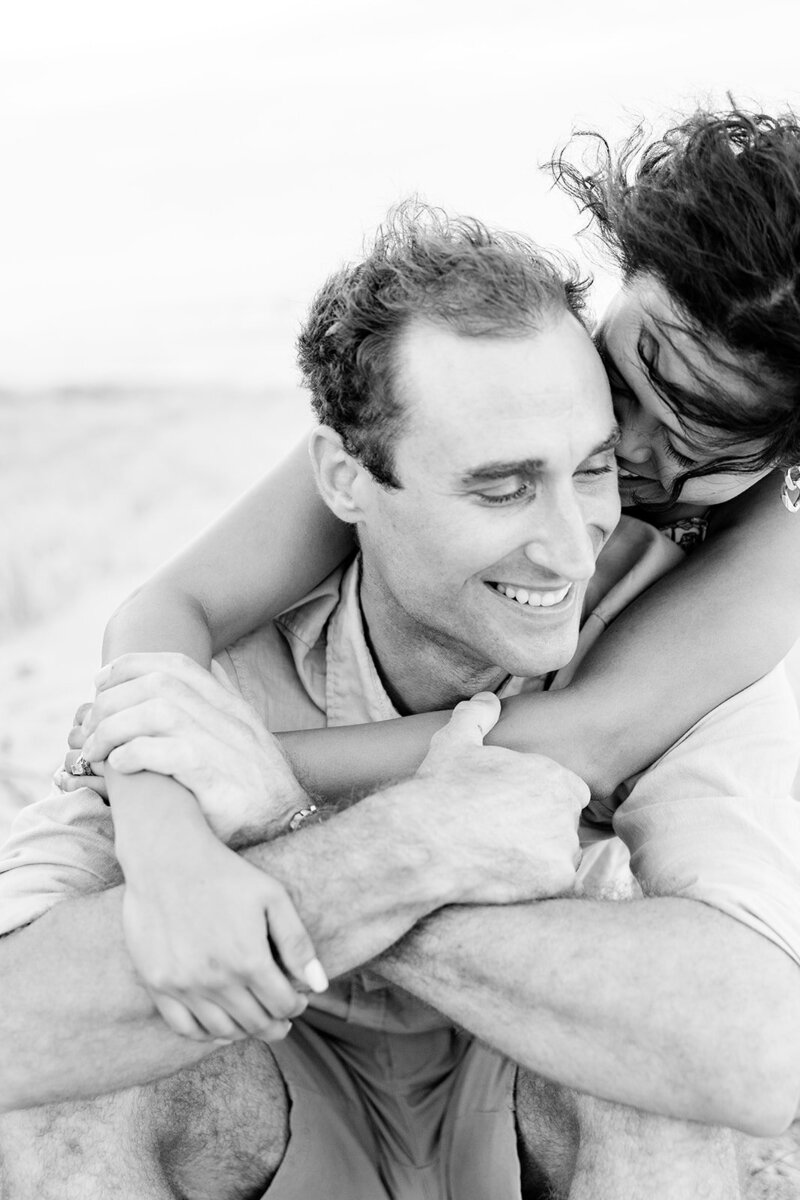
[(508, 494)]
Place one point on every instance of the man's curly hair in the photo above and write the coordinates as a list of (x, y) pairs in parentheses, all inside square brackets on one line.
[(423, 265), (712, 211)]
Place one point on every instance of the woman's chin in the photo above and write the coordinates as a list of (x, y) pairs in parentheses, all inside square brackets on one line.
[(638, 490)]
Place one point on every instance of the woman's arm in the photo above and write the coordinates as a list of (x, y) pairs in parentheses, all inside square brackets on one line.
[(259, 557), (722, 619), (277, 542), (266, 551)]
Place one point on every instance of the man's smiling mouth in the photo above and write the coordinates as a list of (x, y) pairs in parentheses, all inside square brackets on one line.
[(533, 599)]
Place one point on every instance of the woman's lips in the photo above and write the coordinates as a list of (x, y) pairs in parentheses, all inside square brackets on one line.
[(626, 473)]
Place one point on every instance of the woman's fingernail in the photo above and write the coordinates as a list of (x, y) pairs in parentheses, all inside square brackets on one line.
[(316, 978), (102, 676)]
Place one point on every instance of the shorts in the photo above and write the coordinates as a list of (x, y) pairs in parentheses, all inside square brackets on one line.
[(395, 1116)]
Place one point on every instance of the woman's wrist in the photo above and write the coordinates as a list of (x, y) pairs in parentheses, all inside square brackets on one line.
[(153, 817)]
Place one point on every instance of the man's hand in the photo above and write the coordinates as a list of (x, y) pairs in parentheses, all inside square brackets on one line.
[(165, 713), (506, 822)]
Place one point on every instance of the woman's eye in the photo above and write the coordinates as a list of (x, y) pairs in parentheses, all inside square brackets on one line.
[(677, 457)]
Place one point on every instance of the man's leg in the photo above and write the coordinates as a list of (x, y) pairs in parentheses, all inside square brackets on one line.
[(216, 1131), (574, 1147)]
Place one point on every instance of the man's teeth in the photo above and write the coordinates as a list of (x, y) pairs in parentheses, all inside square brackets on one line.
[(533, 599), (623, 474)]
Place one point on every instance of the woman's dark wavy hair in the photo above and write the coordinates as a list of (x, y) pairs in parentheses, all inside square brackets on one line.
[(712, 210), (452, 271)]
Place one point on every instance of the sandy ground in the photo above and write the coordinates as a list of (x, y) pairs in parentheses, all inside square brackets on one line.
[(101, 489)]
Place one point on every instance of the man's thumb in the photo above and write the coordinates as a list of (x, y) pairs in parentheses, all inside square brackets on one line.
[(472, 719)]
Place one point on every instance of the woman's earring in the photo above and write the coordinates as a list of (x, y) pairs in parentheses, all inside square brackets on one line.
[(790, 490)]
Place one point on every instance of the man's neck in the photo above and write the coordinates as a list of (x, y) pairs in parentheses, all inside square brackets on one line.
[(421, 673)]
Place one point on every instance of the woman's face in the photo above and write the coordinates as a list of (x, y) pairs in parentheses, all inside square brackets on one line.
[(656, 446)]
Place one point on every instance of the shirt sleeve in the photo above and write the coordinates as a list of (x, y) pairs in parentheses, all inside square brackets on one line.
[(57, 847), (63, 845), (713, 819)]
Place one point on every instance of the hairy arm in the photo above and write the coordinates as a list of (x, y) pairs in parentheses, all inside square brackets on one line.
[(684, 1002), (661, 1004), (478, 825), (628, 701), (109, 1036)]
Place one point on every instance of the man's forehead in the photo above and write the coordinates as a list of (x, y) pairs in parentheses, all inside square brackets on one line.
[(476, 404), (438, 369)]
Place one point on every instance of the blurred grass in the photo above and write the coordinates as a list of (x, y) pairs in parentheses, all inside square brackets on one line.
[(108, 484)]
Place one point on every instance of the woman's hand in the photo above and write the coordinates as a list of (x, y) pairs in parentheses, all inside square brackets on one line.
[(214, 939), (165, 713)]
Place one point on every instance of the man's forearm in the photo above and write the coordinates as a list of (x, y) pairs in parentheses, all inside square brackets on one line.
[(662, 1004), (360, 880), (74, 1018)]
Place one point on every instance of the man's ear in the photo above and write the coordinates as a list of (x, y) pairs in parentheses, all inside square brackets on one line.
[(341, 479)]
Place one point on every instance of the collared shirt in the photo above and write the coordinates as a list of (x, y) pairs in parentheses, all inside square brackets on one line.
[(711, 820)]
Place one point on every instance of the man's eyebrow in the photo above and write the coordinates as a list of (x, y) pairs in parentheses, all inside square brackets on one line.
[(502, 470), (611, 442), (529, 466)]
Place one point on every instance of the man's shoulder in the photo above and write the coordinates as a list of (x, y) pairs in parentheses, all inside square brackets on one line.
[(279, 668)]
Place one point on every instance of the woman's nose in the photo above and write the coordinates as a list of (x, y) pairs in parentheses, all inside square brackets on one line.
[(635, 444)]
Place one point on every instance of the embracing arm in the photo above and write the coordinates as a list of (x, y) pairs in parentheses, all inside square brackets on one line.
[(685, 1002), (274, 544), (628, 701), (109, 1035), (482, 825), (258, 558), (661, 1004)]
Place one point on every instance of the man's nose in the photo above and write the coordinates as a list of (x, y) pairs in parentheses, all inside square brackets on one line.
[(563, 543)]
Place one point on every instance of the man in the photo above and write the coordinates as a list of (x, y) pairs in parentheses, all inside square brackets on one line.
[(467, 432)]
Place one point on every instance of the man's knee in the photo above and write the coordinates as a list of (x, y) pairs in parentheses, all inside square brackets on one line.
[(625, 1152), (75, 1149), (548, 1135), (565, 1137), (218, 1129), (228, 1124)]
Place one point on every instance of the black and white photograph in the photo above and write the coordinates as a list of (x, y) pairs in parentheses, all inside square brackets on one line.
[(399, 601)]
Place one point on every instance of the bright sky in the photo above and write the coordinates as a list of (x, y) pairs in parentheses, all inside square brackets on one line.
[(179, 176)]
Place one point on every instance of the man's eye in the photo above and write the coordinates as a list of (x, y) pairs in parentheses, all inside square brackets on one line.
[(590, 472), (525, 490), (597, 468)]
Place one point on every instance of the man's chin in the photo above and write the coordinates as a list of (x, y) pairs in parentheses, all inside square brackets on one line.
[(549, 654)]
